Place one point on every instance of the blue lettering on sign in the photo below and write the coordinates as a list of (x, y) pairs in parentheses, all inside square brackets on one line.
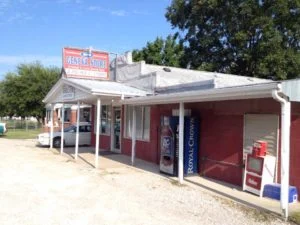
[(73, 60), (98, 63), (84, 61), (191, 146)]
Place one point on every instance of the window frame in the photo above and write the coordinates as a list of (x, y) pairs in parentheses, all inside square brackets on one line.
[(126, 135)]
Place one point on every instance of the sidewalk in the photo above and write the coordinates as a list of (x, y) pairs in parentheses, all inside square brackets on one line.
[(109, 160)]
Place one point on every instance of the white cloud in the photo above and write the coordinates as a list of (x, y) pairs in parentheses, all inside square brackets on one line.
[(118, 13), (10, 60), (112, 12), (69, 1), (95, 8), (18, 17), (4, 5), (139, 12)]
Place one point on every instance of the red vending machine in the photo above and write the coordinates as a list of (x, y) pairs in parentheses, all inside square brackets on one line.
[(259, 170)]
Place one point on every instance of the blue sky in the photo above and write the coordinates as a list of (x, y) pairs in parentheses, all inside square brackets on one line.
[(38, 29)]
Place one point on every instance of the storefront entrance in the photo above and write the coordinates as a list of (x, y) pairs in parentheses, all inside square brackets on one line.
[(116, 134)]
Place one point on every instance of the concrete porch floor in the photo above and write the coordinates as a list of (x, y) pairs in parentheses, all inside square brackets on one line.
[(110, 160)]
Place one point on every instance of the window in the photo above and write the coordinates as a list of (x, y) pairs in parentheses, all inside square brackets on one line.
[(105, 119), (85, 115), (142, 122), (67, 115), (85, 128)]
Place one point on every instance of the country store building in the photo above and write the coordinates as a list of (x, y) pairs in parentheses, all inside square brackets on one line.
[(127, 102)]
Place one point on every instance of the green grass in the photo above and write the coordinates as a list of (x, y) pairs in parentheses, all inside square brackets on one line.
[(21, 134)]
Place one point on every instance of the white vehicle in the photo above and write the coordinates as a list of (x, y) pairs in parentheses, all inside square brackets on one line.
[(69, 136)]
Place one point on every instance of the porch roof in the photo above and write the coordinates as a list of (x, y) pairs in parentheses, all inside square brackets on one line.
[(89, 89), (215, 94)]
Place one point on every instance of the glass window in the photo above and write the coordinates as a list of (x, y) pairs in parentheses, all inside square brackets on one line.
[(67, 115), (85, 115), (85, 128), (105, 119), (142, 122)]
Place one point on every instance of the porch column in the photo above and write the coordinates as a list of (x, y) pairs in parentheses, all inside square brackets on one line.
[(97, 132), (77, 131), (133, 138), (181, 142), (51, 126), (62, 119), (285, 157)]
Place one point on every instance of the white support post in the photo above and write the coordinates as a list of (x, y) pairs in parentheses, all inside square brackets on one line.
[(181, 142), (133, 138), (77, 130), (62, 129), (285, 156), (51, 126), (97, 133)]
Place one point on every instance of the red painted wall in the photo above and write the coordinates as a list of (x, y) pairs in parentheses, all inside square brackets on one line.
[(295, 147), (221, 136)]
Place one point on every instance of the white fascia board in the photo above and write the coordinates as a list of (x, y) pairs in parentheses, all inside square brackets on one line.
[(116, 93), (97, 93), (52, 91), (218, 94)]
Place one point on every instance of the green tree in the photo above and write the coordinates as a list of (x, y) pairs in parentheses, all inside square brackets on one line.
[(22, 92), (166, 52), (253, 38)]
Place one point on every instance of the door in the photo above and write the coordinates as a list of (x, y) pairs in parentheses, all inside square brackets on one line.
[(116, 131)]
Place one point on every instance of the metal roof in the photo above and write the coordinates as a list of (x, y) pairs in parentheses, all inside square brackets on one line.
[(216, 94), (175, 76), (107, 87)]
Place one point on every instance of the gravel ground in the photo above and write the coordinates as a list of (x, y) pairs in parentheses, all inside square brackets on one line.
[(39, 187)]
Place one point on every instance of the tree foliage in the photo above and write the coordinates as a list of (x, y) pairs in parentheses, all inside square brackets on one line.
[(258, 38), (166, 52), (21, 93)]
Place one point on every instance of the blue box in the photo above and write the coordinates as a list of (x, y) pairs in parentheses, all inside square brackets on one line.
[(273, 191)]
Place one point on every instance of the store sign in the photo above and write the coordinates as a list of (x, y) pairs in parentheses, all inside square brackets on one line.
[(85, 63), (68, 92)]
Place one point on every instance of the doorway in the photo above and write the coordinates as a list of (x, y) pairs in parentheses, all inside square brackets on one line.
[(116, 131)]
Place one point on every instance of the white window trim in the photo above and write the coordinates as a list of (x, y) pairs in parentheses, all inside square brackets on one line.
[(143, 119)]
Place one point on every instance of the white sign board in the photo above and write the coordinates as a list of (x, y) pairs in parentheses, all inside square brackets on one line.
[(68, 92)]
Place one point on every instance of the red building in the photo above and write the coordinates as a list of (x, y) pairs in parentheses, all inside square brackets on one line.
[(234, 112)]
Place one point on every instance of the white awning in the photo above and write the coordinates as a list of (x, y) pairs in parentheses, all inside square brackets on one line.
[(215, 94)]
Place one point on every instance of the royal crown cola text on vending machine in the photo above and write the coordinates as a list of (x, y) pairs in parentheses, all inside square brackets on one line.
[(170, 145), (191, 145)]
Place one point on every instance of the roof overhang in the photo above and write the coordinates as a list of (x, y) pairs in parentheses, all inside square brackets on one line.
[(107, 90), (217, 94)]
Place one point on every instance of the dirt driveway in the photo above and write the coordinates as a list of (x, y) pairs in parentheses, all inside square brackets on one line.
[(40, 187)]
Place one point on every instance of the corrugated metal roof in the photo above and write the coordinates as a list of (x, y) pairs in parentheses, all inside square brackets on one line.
[(178, 76), (108, 87)]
